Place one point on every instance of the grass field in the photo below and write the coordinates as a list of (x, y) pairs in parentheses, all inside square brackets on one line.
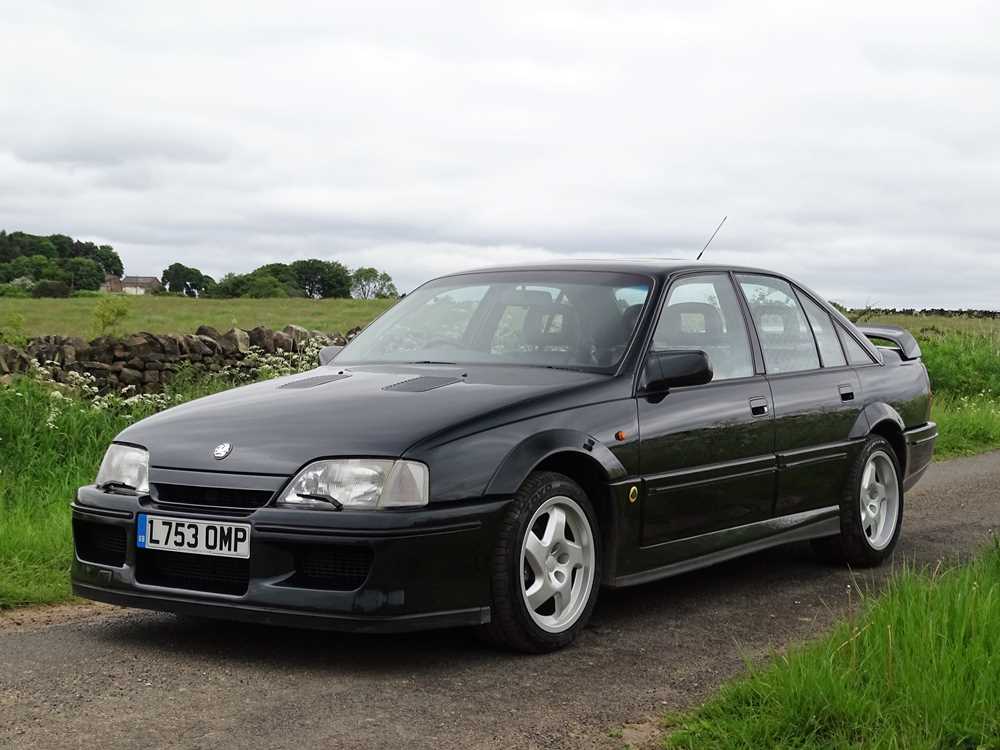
[(918, 669), (74, 317)]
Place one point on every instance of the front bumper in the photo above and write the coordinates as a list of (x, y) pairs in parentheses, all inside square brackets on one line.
[(409, 569)]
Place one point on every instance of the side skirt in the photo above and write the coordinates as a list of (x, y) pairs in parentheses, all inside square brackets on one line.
[(727, 544)]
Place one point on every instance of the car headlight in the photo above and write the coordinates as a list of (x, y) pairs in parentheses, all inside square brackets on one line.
[(125, 467), (358, 483)]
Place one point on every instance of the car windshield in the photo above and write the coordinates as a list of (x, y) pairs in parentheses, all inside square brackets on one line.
[(570, 319)]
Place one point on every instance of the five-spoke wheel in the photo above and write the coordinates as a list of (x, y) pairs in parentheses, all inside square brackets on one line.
[(557, 558), (871, 513), (879, 499), (546, 565)]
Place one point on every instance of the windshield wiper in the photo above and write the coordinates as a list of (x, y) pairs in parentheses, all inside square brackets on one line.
[(337, 505), (117, 487), (430, 362)]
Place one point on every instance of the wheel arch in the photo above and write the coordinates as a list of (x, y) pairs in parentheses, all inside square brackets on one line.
[(571, 450), (581, 457), (882, 419)]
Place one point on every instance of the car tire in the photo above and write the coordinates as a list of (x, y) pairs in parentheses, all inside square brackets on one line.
[(871, 515), (557, 569)]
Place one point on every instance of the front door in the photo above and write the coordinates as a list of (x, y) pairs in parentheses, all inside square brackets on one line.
[(706, 452), (817, 395)]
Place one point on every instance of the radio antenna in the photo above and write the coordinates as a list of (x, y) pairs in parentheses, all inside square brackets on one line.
[(712, 237)]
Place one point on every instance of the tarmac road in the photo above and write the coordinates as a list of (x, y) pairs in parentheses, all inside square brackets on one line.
[(102, 678)]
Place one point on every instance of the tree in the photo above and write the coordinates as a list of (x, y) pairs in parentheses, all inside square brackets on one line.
[(83, 273), (108, 259), (50, 288), (56, 252), (370, 283), (262, 286), (232, 285), (176, 277), (318, 278)]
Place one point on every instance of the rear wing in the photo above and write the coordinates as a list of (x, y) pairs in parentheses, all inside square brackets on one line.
[(901, 339)]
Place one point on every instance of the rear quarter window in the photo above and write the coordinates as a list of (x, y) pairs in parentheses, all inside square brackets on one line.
[(856, 354)]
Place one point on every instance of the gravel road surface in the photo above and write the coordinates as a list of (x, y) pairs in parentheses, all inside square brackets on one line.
[(102, 678)]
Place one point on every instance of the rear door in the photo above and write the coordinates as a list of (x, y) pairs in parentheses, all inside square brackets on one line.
[(707, 451), (816, 394)]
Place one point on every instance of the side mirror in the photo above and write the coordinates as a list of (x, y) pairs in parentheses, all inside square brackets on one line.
[(327, 354), (666, 370)]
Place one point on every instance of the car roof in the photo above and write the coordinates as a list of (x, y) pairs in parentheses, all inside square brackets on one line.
[(645, 266)]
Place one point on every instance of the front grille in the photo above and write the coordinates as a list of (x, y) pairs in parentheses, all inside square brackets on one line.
[(210, 497), (100, 543), (180, 570), (333, 567)]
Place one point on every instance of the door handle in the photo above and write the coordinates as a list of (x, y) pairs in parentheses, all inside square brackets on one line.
[(846, 392), (758, 406)]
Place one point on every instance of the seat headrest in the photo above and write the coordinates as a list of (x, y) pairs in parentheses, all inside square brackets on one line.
[(692, 317), (551, 325), (767, 314)]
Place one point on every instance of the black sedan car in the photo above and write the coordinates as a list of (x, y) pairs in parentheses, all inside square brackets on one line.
[(500, 444)]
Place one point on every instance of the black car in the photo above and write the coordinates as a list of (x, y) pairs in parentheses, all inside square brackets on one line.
[(500, 444)]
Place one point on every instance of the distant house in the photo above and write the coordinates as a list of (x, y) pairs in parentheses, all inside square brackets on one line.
[(112, 284), (140, 284)]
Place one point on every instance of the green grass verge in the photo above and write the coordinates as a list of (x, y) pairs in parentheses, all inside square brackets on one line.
[(966, 425), (920, 668), (164, 314), (50, 446)]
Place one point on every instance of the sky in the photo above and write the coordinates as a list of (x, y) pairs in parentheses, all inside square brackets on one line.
[(854, 146)]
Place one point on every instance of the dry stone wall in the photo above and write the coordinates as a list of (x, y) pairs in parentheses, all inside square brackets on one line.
[(146, 361)]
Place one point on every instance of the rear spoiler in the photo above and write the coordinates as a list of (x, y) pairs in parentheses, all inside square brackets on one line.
[(902, 339)]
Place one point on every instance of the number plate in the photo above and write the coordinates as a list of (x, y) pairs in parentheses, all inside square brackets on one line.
[(196, 537)]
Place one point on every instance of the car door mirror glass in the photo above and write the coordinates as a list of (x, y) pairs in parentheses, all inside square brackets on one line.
[(676, 369)]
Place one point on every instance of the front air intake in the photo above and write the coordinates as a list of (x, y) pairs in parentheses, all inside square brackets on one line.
[(421, 384)]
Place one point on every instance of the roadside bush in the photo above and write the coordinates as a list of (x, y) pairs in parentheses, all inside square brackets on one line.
[(49, 288), (86, 293), (109, 312), (12, 290), (12, 330)]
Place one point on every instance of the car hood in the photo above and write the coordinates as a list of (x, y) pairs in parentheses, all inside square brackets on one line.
[(277, 426)]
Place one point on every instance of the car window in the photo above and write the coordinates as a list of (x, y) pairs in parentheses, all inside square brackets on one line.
[(573, 319), (856, 354), (785, 337), (826, 336), (703, 312), (442, 318)]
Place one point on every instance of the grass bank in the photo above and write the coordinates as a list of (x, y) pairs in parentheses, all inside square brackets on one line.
[(918, 668), (164, 314), (51, 444), (963, 358), (967, 425), (52, 441)]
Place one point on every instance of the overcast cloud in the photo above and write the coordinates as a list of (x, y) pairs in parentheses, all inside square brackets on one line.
[(853, 145)]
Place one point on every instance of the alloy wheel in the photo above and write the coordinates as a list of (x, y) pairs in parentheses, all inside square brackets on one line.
[(558, 560), (879, 500)]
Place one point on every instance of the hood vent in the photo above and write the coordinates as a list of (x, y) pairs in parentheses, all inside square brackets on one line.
[(314, 381), (421, 384)]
